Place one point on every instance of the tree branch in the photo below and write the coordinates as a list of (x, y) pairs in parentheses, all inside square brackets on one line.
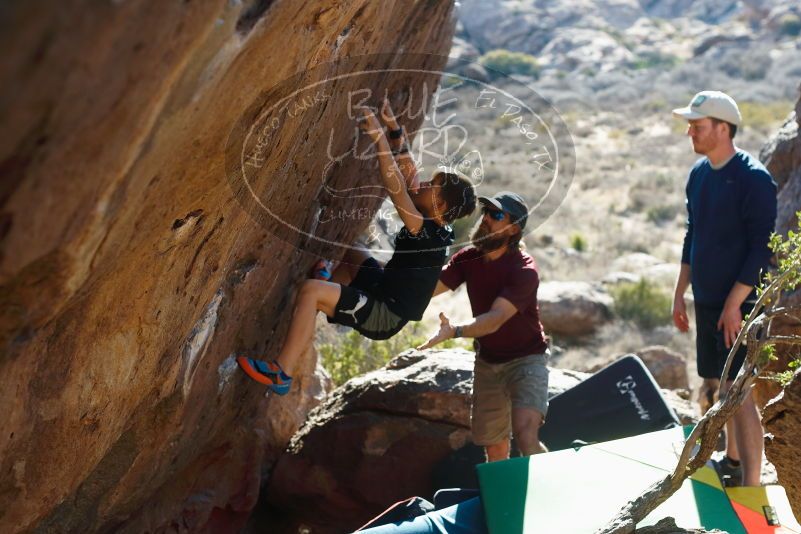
[(750, 329)]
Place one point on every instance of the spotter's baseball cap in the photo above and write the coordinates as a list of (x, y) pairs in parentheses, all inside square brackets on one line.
[(511, 203), (713, 104)]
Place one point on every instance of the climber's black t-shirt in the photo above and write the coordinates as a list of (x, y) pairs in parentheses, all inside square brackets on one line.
[(411, 275)]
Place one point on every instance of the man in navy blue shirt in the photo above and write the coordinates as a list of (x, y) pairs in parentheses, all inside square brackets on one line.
[(731, 211)]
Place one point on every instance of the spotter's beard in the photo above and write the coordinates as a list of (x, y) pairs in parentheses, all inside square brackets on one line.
[(482, 239)]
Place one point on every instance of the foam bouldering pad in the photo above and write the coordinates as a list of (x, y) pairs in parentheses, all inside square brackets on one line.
[(580, 490), (620, 400)]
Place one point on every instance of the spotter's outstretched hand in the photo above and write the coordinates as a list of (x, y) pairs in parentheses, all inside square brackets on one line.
[(446, 331)]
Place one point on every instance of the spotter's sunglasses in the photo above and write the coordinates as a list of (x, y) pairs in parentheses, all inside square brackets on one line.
[(494, 214)]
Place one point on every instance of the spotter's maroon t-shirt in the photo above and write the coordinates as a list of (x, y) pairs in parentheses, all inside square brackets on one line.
[(514, 277)]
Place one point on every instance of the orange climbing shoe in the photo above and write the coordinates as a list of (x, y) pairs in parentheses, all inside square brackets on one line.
[(268, 373)]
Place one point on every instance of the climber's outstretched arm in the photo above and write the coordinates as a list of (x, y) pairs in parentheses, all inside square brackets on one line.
[(390, 173), (400, 147)]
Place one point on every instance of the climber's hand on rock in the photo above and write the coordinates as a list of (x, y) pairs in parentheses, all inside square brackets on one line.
[(446, 331), (369, 124), (388, 116)]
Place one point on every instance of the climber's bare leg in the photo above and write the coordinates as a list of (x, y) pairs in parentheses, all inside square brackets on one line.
[(313, 296)]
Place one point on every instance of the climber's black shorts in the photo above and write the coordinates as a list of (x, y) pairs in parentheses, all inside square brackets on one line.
[(710, 345), (359, 308)]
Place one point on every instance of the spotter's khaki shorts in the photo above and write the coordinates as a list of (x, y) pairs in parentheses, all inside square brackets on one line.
[(497, 388)]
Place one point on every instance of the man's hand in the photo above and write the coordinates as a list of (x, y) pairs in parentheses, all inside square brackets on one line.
[(446, 331), (388, 116), (680, 318), (369, 124), (731, 321)]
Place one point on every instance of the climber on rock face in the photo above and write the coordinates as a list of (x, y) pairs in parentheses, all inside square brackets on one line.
[(374, 299)]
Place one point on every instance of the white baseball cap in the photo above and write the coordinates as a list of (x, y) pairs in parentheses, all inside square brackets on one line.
[(713, 104)]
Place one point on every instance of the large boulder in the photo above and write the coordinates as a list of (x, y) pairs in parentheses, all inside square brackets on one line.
[(782, 416), (710, 11), (782, 421), (582, 48), (635, 262), (527, 26), (573, 308), (376, 440), (782, 157), (669, 368), (640, 266), (667, 525), (781, 154), (130, 272)]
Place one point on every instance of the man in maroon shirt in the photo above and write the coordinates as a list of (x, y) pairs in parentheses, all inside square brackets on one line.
[(510, 381)]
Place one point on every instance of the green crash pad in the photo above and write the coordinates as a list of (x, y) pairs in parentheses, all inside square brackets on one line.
[(581, 490)]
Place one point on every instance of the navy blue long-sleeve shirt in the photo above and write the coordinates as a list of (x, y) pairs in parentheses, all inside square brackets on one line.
[(731, 213)]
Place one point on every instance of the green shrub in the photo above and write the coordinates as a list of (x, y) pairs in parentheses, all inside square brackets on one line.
[(509, 62), (788, 277), (765, 115), (450, 80), (355, 355), (578, 243), (616, 133), (654, 60), (619, 38), (642, 303), (656, 105), (664, 181), (784, 377), (663, 213), (790, 25)]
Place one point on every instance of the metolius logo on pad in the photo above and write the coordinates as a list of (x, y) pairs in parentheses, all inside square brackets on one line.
[(299, 164), (626, 387)]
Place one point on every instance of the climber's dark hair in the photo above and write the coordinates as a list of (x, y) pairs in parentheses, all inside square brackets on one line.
[(458, 193)]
